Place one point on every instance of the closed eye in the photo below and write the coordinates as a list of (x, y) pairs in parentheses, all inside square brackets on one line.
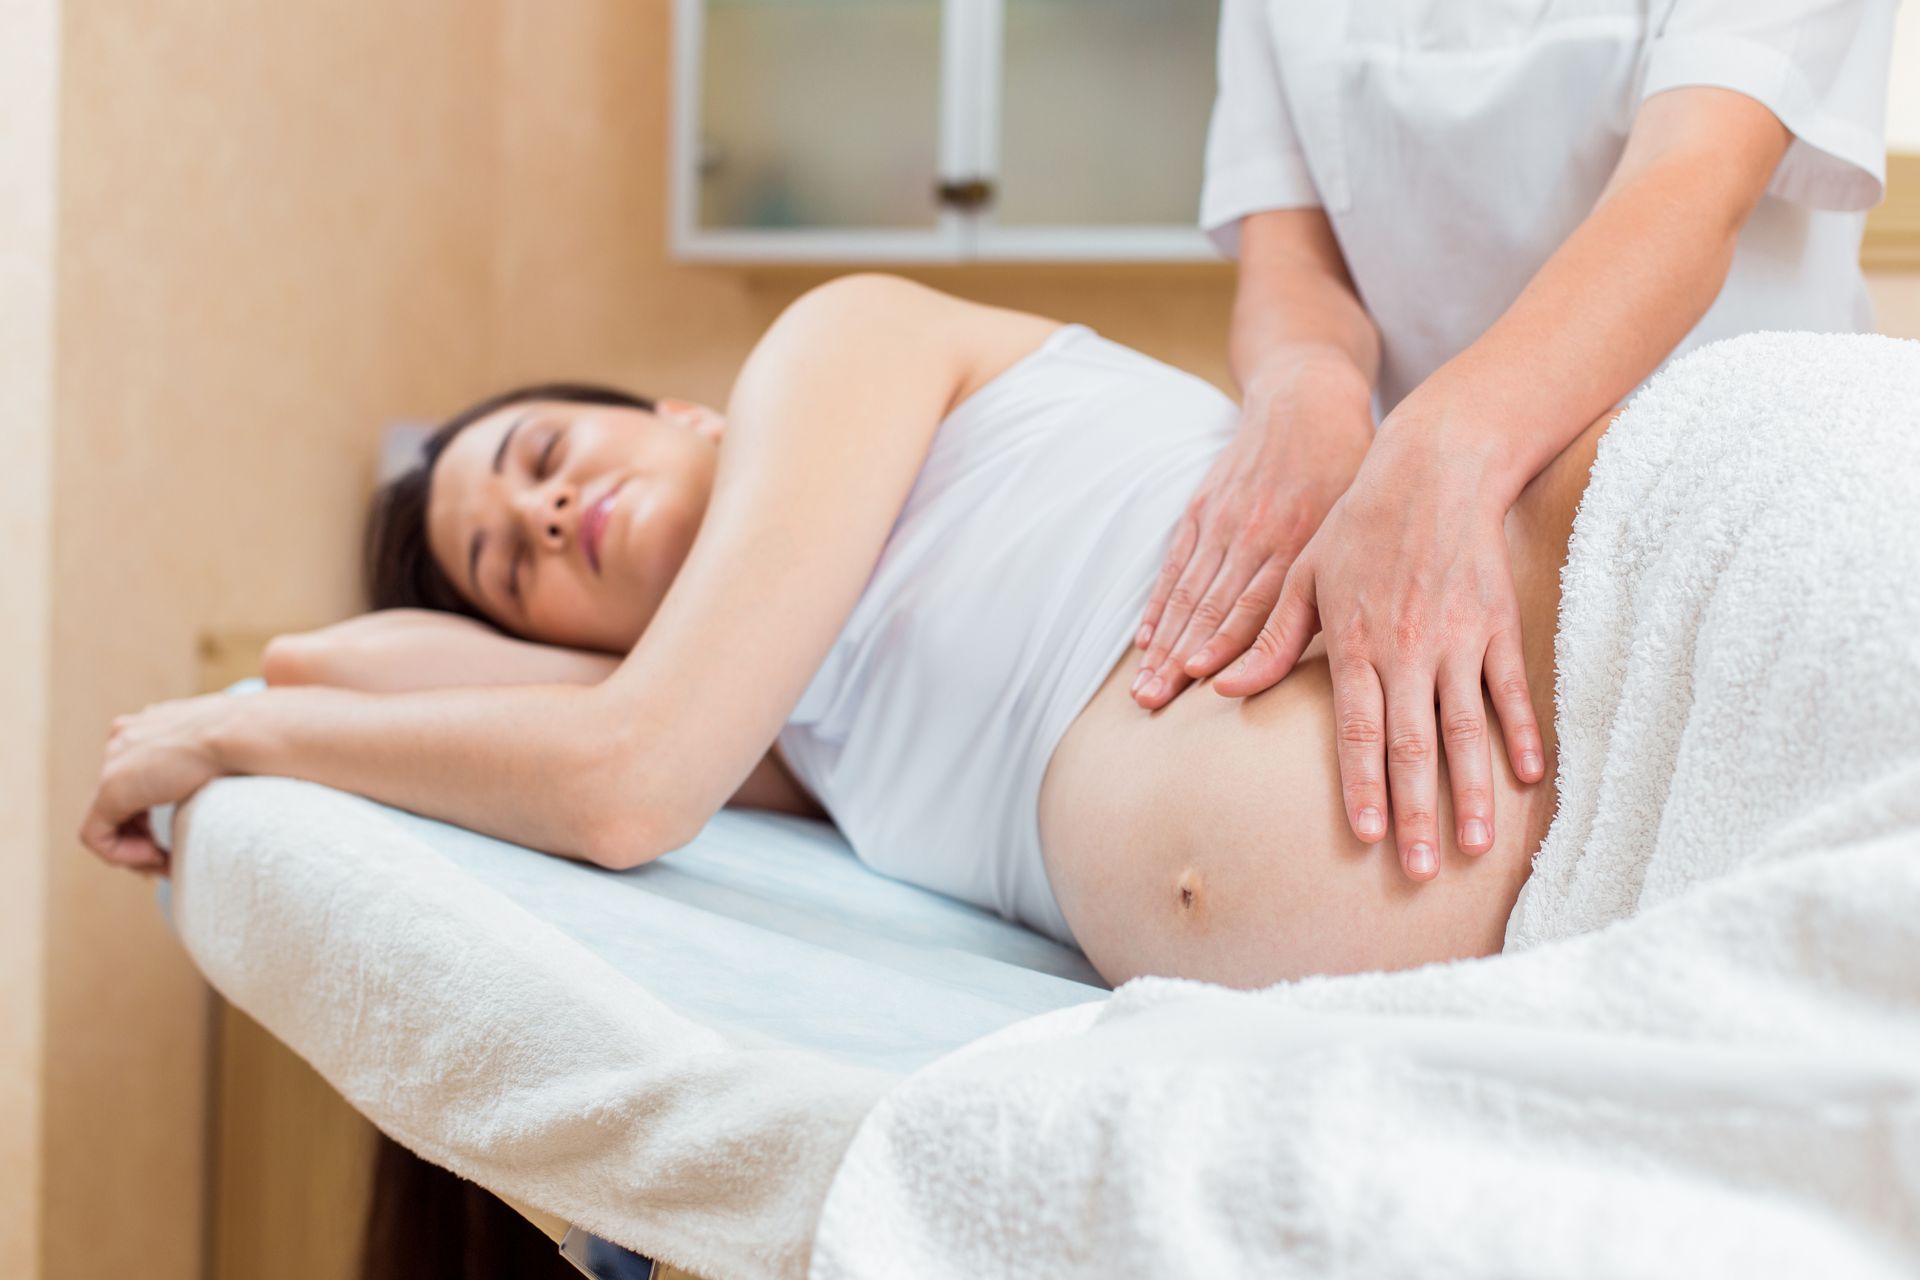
[(544, 467)]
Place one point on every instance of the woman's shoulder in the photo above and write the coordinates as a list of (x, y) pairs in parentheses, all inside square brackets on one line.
[(982, 340)]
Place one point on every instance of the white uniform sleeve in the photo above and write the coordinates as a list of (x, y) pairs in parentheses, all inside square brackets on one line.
[(1820, 66), (1254, 158)]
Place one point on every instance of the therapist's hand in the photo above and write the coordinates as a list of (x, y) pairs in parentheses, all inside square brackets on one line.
[(160, 756), (1305, 425), (1409, 580)]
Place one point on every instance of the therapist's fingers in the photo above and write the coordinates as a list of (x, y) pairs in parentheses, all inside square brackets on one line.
[(1186, 536), (1243, 621), (1463, 737), (1506, 675), (1359, 717), (1281, 639), (1236, 572), (1189, 590), (1413, 771), (1162, 684)]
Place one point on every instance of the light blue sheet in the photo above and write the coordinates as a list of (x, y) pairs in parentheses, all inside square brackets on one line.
[(767, 926)]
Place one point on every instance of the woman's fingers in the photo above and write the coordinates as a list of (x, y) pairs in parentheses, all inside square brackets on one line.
[(118, 837), (1506, 675), (1413, 773), (1463, 737)]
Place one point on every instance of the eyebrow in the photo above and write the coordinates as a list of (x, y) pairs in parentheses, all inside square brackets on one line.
[(479, 539)]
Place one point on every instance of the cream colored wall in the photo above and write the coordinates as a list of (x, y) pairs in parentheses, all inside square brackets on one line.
[(275, 229), (1896, 302), (29, 132), (1896, 295), (585, 285), (1903, 90)]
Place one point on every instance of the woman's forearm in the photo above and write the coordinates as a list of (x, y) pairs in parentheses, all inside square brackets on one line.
[(398, 650), (531, 764), (1615, 299)]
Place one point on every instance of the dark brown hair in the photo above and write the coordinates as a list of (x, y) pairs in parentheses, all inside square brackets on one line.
[(398, 568)]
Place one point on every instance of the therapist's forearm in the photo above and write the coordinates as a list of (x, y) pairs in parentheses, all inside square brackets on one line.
[(533, 764), (1296, 305), (1600, 315)]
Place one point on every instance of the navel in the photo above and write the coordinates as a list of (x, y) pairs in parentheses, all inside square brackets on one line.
[(1191, 889)]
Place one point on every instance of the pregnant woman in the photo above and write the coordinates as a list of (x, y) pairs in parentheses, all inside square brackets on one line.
[(897, 586)]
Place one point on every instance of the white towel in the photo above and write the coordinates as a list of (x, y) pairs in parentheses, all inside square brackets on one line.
[(1700, 1054), (496, 1045)]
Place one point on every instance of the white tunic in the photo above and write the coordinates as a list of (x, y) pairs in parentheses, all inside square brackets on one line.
[(1455, 144), (1010, 585)]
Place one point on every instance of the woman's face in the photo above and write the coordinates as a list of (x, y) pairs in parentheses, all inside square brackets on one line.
[(564, 522)]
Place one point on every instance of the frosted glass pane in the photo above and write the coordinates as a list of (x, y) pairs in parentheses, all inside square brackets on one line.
[(1104, 120), (820, 113)]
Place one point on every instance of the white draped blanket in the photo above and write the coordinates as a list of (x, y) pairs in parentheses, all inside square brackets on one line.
[(1699, 1055), (673, 1058)]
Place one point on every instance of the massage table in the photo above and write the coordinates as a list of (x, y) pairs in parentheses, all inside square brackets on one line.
[(483, 1003)]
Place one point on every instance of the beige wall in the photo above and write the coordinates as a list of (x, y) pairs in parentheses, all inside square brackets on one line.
[(29, 130), (1896, 302), (584, 284), (1903, 91), (274, 234)]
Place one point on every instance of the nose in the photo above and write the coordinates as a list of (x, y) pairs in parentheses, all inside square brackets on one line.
[(551, 514)]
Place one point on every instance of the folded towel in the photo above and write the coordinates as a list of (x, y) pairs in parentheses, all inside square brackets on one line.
[(497, 1045)]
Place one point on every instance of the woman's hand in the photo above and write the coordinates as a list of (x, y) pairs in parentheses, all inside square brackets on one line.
[(160, 756), (1409, 580), (1304, 429)]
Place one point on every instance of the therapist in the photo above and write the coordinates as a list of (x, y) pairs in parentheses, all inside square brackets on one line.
[(1491, 220)]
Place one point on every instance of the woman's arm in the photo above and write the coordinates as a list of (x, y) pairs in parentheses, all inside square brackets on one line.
[(830, 421), (404, 650)]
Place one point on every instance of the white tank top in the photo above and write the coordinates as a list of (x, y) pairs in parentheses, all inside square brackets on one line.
[(1010, 585)]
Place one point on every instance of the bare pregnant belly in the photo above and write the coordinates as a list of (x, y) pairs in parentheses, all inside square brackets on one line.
[(1208, 841)]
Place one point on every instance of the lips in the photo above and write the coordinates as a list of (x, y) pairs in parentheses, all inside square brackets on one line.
[(593, 523)]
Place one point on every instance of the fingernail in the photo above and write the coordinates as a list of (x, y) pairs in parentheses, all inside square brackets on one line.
[(1139, 678), (1154, 687), (1529, 762), (1144, 634), (1370, 822), (1473, 831), (1420, 860), (1199, 661)]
